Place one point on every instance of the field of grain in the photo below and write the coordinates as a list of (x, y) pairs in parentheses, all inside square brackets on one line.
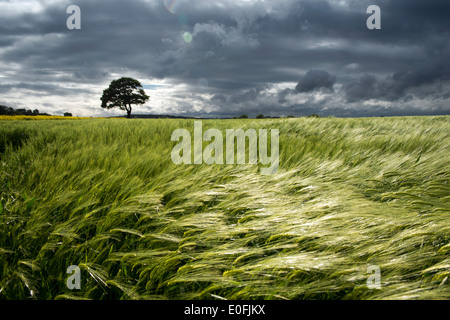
[(104, 195)]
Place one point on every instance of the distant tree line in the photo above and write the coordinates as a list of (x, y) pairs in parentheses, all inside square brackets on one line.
[(8, 111)]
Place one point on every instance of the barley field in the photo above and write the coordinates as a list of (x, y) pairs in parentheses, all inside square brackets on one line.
[(104, 195)]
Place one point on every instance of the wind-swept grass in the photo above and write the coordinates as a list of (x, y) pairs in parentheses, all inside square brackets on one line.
[(104, 195)]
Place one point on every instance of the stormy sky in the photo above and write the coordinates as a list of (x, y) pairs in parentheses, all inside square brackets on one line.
[(227, 58)]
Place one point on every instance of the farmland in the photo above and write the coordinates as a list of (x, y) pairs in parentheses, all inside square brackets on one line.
[(104, 195)]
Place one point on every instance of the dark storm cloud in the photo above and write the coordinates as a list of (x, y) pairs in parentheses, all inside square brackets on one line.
[(402, 85), (242, 53), (43, 89), (361, 89), (219, 98), (249, 95), (28, 23), (316, 79)]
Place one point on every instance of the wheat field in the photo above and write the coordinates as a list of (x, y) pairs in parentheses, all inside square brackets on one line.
[(104, 195)]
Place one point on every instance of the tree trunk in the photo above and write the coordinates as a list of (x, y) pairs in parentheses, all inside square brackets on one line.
[(129, 111)]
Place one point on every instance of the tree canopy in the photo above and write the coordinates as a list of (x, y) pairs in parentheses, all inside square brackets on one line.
[(122, 93)]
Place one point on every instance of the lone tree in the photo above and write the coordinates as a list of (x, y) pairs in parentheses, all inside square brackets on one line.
[(122, 93)]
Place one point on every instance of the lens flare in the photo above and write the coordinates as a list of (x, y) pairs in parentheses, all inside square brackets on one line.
[(175, 6), (187, 36)]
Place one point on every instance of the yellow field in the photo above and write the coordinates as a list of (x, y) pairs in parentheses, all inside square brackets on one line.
[(45, 118)]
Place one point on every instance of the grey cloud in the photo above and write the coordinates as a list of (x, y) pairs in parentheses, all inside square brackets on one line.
[(238, 47), (361, 89), (284, 93), (316, 79), (43, 89), (219, 98), (249, 95), (401, 85), (225, 36)]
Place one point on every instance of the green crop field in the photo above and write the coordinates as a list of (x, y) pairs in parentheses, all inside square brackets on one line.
[(104, 195)]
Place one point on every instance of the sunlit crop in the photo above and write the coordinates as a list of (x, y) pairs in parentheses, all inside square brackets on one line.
[(104, 195)]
